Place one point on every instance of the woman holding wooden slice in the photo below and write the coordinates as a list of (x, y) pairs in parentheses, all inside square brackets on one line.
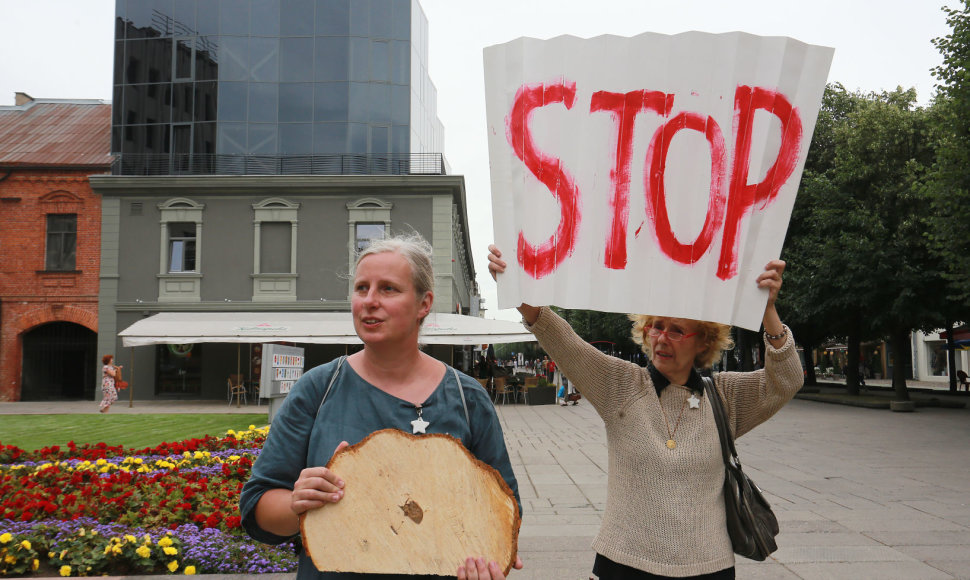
[(388, 384)]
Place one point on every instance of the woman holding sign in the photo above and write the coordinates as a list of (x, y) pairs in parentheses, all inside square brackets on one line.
[(665, 513), (388, 384)]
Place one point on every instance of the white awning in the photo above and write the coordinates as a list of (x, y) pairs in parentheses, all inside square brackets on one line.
[(307, 327)]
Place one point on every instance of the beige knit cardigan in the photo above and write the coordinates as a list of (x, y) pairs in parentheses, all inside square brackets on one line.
[(665, 507)]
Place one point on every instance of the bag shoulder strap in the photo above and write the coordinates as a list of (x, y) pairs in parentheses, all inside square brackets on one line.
[(728, 449), (333, 379), (464, 403)]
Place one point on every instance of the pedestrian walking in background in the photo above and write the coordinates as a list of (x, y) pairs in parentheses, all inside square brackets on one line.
[(109, 373)]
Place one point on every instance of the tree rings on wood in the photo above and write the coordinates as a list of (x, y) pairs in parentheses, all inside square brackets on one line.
[(413, 504)]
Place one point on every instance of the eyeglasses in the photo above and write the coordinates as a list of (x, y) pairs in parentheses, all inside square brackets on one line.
[(674, 335)]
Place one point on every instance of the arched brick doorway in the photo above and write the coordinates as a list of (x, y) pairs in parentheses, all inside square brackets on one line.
[(59, 363)]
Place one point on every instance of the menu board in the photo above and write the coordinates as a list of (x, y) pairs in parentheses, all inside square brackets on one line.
[(282, 366)]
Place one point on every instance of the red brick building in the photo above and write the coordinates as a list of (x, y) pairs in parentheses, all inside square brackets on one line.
[(50, 246)]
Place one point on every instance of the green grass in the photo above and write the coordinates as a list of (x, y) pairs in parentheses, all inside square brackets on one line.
[(31, 432)]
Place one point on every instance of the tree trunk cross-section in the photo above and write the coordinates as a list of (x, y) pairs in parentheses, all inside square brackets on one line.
[(413, 504)]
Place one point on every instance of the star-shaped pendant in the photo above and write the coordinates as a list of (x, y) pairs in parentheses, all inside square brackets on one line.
[(419, 425), (694, 402)]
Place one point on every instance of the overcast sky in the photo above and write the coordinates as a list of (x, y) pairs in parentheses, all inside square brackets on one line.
[(63, 49)]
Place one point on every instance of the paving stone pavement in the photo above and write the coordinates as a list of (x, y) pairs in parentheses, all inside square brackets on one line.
[(859, 493)]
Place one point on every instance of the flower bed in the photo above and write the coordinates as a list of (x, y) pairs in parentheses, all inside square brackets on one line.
[(96, 509)]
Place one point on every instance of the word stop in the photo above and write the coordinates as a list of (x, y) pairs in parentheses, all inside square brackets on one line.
[(725, 209)]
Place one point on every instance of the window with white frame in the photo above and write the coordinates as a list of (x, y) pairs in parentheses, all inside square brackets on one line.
[(61, 249), (180, 267), (275, 247), (181, 244), (275, 222), (369, 219), (366, 233)]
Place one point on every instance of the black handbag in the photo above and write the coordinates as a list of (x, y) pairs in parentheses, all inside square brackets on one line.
[(751, 524)]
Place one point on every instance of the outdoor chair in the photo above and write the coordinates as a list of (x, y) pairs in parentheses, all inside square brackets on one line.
[(486, 384), (522, 393), (237, 389), (502, 390)]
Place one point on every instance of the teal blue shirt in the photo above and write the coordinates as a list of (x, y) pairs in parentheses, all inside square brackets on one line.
[(301, 436)]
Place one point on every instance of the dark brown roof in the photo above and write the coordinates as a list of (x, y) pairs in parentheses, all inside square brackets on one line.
[(54, 132)]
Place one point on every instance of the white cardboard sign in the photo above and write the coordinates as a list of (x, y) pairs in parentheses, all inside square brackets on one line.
[(653, 174)]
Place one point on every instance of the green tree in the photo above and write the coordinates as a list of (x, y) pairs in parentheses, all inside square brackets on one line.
[(601, 328), (884, 154), (861, 266), (949, 186), (812, 301)]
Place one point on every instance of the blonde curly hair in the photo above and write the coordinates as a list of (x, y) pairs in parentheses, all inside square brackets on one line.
[(714, 337)]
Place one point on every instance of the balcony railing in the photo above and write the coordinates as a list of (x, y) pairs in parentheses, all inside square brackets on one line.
[(334, 164)]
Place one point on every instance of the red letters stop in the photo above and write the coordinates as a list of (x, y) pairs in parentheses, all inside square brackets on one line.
[(724, 209)]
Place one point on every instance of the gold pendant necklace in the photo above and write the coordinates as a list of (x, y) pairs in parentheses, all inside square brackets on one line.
[(671, 443)]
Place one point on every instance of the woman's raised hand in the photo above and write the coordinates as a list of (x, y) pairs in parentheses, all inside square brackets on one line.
[(496, 265), (771, 279), (477, 569), (317, 486)]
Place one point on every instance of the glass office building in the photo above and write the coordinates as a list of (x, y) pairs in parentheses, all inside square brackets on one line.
[(273, 86)]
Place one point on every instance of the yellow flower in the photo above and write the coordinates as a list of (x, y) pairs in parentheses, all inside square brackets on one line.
[(107, 549), (9, 559), (51, 555), (170, 551), (101, 462), (165, 541), (189, 570), (173, 565), (143, 551), (25, 545), (130, 538), (5, 538), (63, 553), (65, 570), (80, 532), (35, 564)]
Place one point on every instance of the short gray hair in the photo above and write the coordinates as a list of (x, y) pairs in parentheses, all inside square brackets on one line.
[(416, 250)]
